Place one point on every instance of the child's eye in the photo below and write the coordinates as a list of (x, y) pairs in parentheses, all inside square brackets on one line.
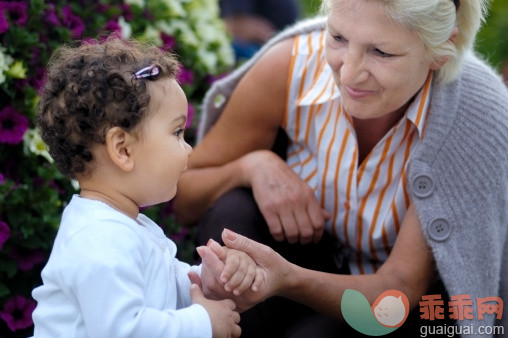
[(178, 132)]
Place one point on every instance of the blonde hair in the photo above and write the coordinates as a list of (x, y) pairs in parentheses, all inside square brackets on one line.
[(433, 21)]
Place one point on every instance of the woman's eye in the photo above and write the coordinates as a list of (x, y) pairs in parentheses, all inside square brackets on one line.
[(339, 38), (382, 54)]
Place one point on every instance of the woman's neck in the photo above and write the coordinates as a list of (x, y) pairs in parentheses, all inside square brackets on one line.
[(370, 131)]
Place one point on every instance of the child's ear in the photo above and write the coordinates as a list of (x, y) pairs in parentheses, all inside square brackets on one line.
[(119, 145), (441, 61)]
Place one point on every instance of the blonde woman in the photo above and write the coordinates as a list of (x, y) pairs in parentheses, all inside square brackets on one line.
[(396, 169)]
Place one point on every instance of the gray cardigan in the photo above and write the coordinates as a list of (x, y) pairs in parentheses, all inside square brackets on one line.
[(458, 176)]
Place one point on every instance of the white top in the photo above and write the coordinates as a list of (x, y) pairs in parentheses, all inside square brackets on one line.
[(367, 200), (110, 276)]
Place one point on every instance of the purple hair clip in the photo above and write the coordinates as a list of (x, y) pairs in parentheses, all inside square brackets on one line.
[(149, 73)]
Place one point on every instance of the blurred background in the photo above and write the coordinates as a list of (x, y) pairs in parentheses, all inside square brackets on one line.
[(211, 37)]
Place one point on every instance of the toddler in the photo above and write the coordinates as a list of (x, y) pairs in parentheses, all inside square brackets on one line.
[(113, 116)]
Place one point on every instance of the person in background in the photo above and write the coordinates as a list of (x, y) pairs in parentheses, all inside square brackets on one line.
[(253, 22), (395, 172), (113, 116)]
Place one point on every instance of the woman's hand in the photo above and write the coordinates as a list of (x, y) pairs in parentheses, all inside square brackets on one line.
[(272, 271), (287, 203)]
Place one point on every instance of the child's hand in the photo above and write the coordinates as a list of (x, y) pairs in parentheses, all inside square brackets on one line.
[(240, 271), (222, 314)]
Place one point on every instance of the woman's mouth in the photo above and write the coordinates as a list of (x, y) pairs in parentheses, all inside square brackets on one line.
[(357, 93)]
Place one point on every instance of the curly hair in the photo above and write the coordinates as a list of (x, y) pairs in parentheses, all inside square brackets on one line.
[(91, 88)]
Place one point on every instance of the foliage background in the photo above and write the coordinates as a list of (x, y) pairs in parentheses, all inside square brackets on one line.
[(32, 192)]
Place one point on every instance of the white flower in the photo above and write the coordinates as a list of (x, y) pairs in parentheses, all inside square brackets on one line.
[(5, 63), (181, 30), (151, 35), (139, 3), (175, 8), (126, 28), (33, 143), (75, 185), (208, 59)]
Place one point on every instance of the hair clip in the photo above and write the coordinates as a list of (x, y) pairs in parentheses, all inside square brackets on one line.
[(149, 73)]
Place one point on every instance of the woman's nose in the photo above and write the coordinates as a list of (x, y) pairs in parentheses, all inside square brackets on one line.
[(353, 69)]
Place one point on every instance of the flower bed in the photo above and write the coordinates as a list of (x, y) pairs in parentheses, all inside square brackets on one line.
[(32, 191)]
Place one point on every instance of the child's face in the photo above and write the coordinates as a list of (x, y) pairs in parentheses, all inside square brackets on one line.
[(161, 153)]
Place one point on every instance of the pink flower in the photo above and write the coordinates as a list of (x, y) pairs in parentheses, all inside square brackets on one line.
[(25, 258), (186, 76), (190, 115), (12, 125), (17, 313), (5, 232)]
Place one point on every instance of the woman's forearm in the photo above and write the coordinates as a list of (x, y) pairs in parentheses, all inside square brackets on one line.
[(409, 269), (323, 291)]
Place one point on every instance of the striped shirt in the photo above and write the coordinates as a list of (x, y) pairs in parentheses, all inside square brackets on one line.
[(367, 201)]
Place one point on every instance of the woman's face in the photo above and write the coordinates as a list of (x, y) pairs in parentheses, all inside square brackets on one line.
[(378, 64)]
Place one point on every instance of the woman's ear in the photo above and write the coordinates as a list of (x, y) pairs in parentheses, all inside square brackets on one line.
[(441, 61), (119, 145)]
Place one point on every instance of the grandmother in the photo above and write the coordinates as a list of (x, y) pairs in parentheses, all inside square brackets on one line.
[(395, 170)]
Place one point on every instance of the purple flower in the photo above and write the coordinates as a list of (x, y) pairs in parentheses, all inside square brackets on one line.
[(113, 27), (2, 178), (190, 115), (26, 258), (17, 313), (186, 76), (127, 12), (169, 41), (5, 231), (16, 11), (51, 16), (167, 209), (12, 125), (4, 25), (73, 22)]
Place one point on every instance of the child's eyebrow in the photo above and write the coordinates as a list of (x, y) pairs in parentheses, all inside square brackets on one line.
[(180, 119)]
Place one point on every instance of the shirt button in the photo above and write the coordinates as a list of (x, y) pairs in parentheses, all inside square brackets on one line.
[(439, 230), (422, 186)]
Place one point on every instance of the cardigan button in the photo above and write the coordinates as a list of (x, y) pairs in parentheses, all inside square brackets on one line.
[(439, 230), (422, 186)]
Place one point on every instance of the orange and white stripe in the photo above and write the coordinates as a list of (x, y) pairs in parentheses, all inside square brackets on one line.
[(367, 201)]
